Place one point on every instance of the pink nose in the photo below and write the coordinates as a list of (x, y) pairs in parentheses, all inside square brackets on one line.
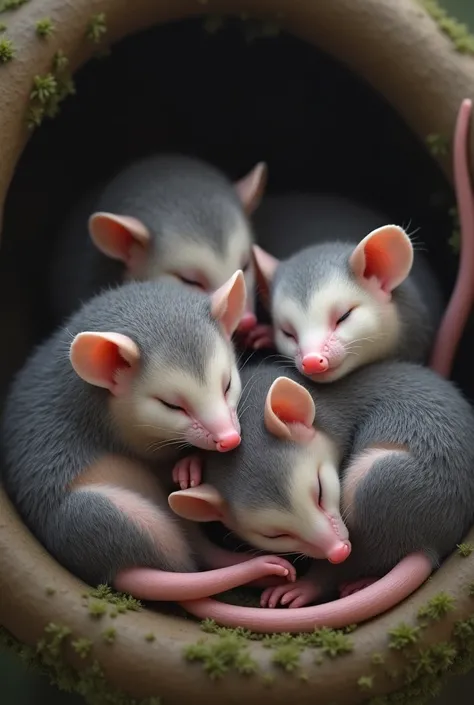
[(313, 364), (247, 322), (228, 441), (339, 552)]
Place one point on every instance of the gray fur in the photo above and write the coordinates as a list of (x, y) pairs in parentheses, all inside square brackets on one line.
[(422, 502), (335, 224), (55, 425), (172, 195)]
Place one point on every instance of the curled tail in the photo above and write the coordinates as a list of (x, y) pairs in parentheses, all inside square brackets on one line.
[(407, 576), (462, 298)]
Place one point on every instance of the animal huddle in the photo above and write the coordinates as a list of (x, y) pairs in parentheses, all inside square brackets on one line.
[(136, 420)]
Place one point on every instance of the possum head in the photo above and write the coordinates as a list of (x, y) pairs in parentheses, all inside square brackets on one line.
[(177, 382), (332, 304), (280, 489), (204, 237)]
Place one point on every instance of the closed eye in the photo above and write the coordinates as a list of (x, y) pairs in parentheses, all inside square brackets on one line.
[(173, 407), (344, 317), (277, 536), (227, 389), (190, 282), (288, 334), (246, 266)]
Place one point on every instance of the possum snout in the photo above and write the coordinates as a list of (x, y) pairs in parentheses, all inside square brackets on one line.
[(227, 441), (313, 364)]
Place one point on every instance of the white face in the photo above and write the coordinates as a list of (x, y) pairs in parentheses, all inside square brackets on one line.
[(202, 267), (312, 524), (172, 408), (344, 326)]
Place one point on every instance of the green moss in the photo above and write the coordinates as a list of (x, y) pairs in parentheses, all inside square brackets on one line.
[(89, 682), (82, 647), (6, 5), (437, 608), (44, 28), (96, 28), (122, 602), (455, 244), (50, 591), (332, 642), (97, 608), (3, 27), (402, 636), (109, 635), (377, 659), (60, 61), (219, 656), (465, 549), (366, 683), (438, 145), (287, 656), (7, 50), (433, 660), (456, 31), (150, 637), (44, 88)]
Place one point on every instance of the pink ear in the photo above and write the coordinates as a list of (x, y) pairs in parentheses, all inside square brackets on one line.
[(289, 411), (114, 235), (98, 358), (386, 255), (265, 267), (252, 187), (229, 301), (202, 503)]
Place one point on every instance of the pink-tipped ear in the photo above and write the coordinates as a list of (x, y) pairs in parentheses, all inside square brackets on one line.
[(251, 187), (202, 503), (114, 235), (265, 267), (229, 301), (289, 408), (98, 358), (385, 254)]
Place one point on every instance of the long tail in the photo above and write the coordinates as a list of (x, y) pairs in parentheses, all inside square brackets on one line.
[(457, 312), (151, 584), (389, 591)]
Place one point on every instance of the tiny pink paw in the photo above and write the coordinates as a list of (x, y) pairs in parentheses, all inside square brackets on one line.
[(275, 565), (302, 592), (187, 472), (346, 589), (261, 336)]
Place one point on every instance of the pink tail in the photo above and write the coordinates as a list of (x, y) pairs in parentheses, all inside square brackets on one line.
[(151, 584), (405, 578), (462, 298)]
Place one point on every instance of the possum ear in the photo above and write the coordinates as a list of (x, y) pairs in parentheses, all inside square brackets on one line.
[(289, 411), (202, 503), (251, 187), (265, 267), (229, 301), (114, 235), (386, 255), (98, 358)]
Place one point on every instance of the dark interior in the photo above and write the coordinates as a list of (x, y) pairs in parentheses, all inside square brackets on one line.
[(232, 98)]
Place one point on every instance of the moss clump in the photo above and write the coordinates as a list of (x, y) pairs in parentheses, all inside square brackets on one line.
[(378, 659), (44, 28), (150, 637), (332, 642), (402, 636), (122, 603), (438, 145), (50, 591), (457, 32), (7, 50), (437, 607), (6, 5), (287, 656), (455, 244), (44, 88), (109, 635), (220, 656), (97, 609), (82, 647), (96, 28), (60, 61), (465, 549), (366, 683), (47, 658)]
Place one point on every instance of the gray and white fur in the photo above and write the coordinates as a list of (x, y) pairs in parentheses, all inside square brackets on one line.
[(162, 215)]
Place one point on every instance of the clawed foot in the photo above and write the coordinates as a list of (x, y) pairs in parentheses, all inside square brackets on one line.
[(302, 593), (187, 472), (350, 588)]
